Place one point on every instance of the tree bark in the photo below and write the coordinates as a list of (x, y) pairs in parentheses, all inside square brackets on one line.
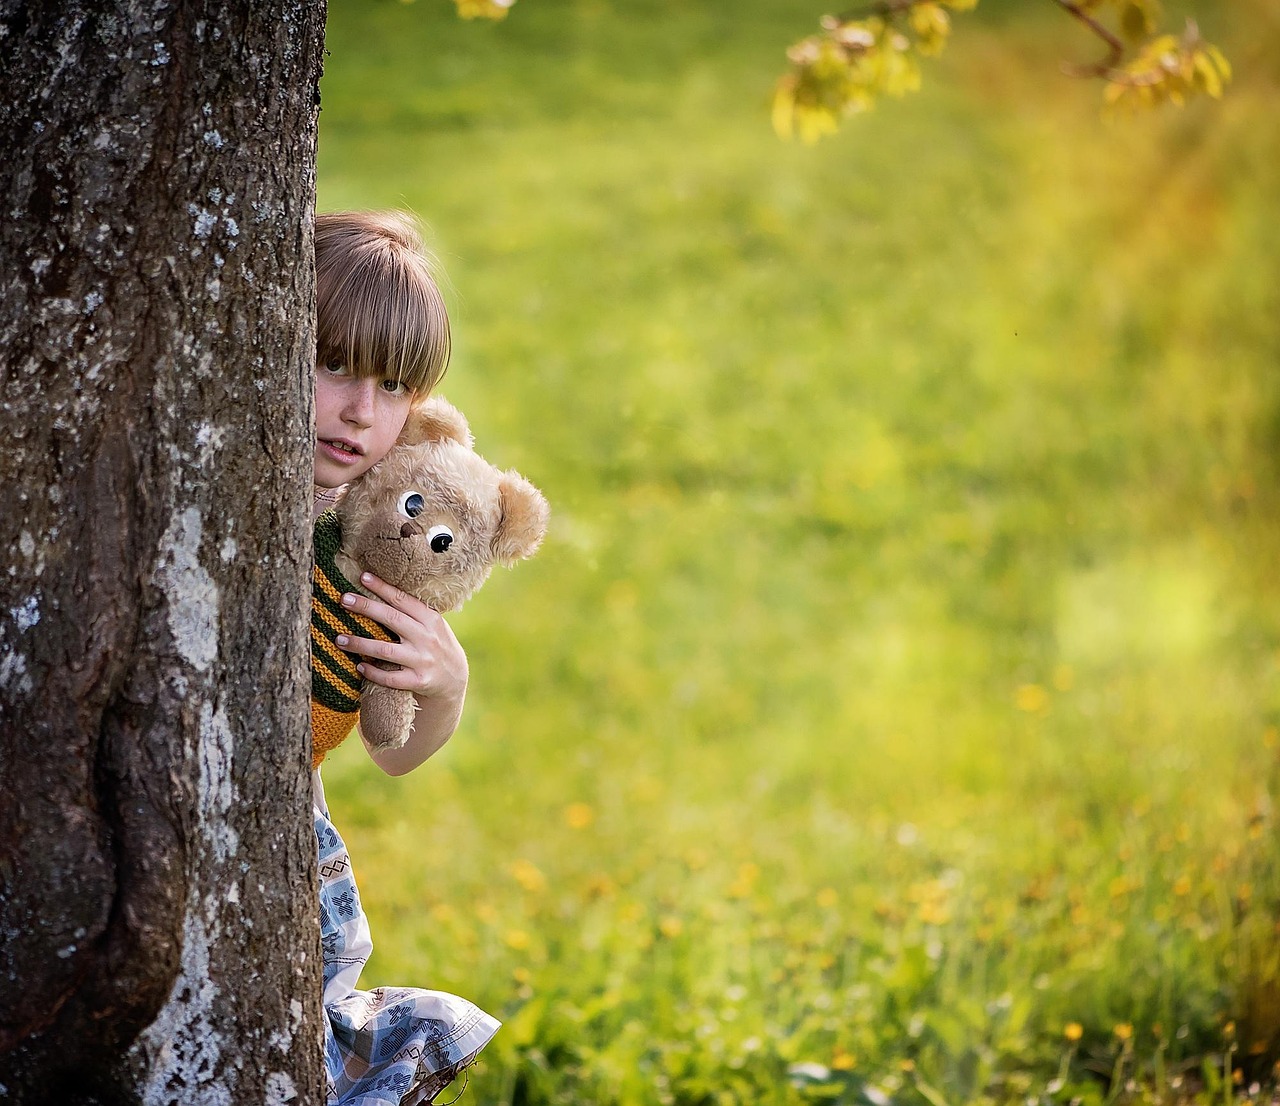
[(158, 925)]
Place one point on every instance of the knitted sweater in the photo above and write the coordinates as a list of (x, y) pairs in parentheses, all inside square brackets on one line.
[(335, 683)]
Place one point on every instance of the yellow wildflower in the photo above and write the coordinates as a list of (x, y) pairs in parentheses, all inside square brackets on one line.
[(741, 887), (631, 912), (1073, 1031), (528, 875), (934, 913), (579, 816), (670, 926), (1031, 698)]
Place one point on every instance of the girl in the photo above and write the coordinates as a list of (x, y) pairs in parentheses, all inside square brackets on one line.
[(382, 344)]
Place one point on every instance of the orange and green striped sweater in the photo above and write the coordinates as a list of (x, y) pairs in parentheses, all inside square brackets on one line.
[(335, 683)]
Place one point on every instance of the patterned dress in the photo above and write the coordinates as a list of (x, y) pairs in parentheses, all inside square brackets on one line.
[(392, 1046)]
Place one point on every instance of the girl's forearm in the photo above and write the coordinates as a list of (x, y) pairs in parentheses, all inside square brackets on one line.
[(433, 724)]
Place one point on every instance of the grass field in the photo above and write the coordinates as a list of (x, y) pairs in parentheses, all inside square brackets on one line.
[(892, 711)]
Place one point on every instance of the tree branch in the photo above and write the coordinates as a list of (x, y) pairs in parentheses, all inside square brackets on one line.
[(888, 8), (1106, 67)]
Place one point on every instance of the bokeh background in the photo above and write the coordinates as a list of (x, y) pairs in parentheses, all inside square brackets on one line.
[(891, 714)]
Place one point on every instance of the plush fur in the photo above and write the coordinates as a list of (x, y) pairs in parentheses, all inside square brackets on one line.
[(493, 517)]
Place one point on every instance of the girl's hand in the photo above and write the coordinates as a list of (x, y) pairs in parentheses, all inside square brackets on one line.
[(430, 664), (430, 661)]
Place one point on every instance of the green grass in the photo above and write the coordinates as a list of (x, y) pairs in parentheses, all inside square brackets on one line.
[(898, 685)]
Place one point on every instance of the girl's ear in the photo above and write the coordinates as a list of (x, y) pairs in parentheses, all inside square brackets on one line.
[(524, 519), (435, 420)]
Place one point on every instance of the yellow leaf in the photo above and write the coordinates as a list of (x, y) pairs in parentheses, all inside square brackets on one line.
[(1219, 59), (483, 9), (929, 20), (816, 122), (1207, 77), (1136, 21), (784, 107)]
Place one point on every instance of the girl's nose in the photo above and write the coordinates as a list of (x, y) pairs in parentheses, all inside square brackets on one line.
[(358, 409)]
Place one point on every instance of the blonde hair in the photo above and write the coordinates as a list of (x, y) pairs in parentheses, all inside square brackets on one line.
[(378, 309)]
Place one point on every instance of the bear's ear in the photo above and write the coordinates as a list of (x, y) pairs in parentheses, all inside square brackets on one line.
[(435, 420), (524, 519)]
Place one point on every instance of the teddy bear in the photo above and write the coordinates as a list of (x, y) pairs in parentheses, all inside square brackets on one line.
[(432, 518)]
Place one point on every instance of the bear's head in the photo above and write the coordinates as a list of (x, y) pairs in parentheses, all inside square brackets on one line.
[(433, 517)]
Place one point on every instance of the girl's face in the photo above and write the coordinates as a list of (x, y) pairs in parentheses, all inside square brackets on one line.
[(357, 420)]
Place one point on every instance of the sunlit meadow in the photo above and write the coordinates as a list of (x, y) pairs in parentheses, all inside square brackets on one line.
[(891, 714)]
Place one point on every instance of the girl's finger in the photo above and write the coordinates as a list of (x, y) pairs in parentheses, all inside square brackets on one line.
[(403, 679), (393, 619), (397, 597), (371, 647)]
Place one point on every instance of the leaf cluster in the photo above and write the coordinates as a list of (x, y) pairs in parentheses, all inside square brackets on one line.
[(1169, 69), (846, 67), (857, 58), (483, 9)]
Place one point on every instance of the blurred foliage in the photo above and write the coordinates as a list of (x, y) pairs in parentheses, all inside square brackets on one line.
[(483, 9), (858, 58), (891, 714), (1169, 69), (855, 60)]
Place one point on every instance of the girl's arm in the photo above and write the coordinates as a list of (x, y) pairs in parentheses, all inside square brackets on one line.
[(433, 725), (432, 665)]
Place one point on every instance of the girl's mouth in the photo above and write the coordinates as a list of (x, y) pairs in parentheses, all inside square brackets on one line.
[(343, 452)]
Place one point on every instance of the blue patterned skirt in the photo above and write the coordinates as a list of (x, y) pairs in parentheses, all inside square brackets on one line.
[(392, 1046)]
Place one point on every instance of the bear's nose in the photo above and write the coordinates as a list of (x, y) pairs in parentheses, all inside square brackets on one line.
[(408, 530)]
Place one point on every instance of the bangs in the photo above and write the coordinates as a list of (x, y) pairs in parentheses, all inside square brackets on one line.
[(380, 313)]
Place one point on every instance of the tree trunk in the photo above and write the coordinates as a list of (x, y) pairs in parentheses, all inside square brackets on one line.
[(158, 921)]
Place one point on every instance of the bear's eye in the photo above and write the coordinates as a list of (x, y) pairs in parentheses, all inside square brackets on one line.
[(412, 504), (439, 538)]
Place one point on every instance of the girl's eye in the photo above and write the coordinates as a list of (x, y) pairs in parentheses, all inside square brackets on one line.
[(394, 387), (335, 368), (412, 505), (439, 538)]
